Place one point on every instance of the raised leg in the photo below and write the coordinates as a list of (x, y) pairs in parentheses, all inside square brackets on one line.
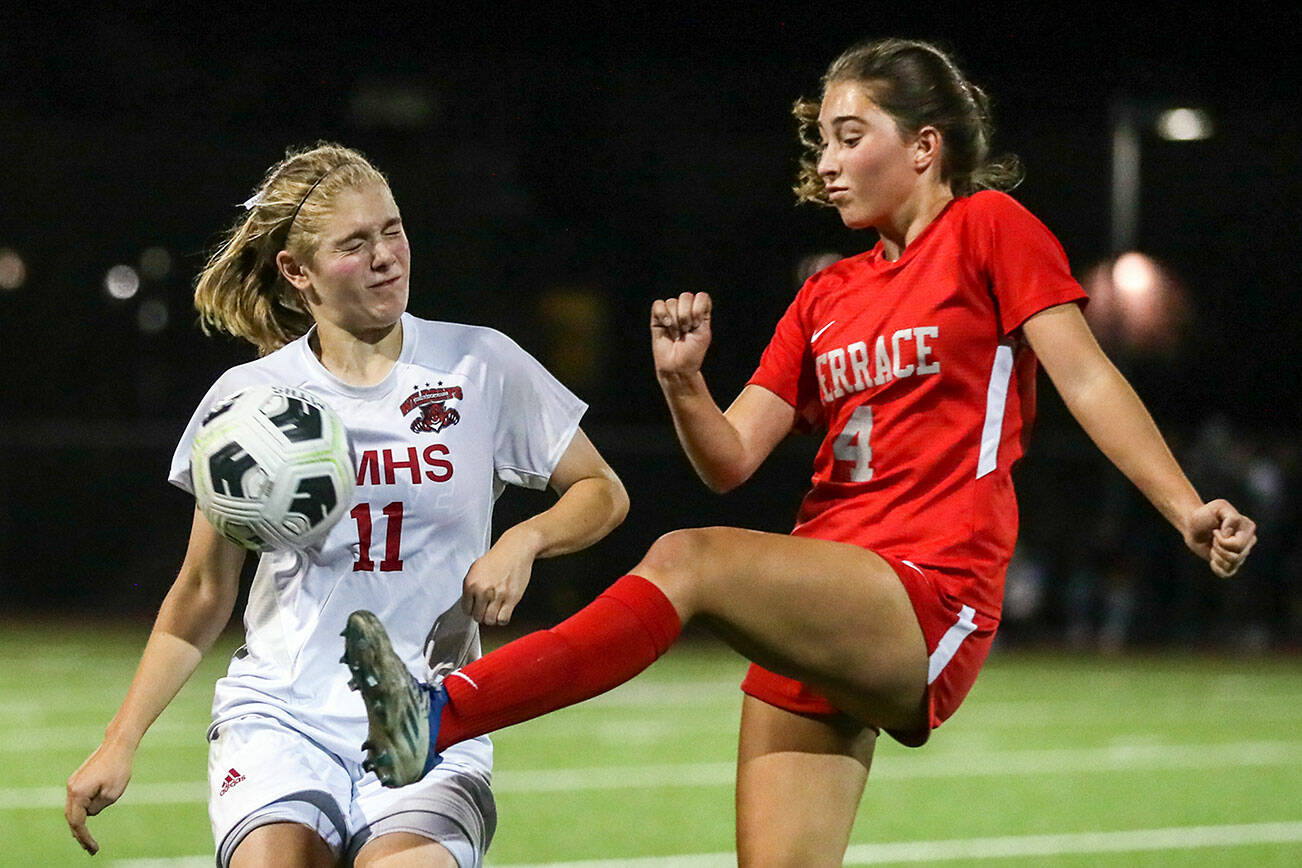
[(831, 614)]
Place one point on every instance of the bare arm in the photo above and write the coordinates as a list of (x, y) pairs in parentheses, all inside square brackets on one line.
[(592, 502), (724, 448), (1116, 420), (192, 616)]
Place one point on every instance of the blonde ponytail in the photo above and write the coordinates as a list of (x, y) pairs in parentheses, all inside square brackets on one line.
[(241, 290)]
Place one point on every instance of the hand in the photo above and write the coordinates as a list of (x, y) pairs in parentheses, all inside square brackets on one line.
[(97, 784), (1220, 535), (495, 583), (680, 333)]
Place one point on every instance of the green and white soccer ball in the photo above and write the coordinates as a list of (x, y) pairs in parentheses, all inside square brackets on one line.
[(272, 468)]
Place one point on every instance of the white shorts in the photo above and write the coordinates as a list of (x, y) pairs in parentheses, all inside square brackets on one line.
[(261, 771)]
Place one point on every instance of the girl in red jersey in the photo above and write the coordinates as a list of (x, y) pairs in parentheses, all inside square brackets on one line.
[(919, 358)]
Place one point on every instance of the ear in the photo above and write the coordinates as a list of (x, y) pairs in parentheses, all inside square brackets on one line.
[(293, 271), (927, 149)]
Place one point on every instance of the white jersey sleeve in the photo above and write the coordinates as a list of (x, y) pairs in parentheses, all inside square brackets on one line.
[(539, 417)]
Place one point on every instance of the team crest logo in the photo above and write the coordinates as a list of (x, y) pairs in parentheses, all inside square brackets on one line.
[(433, 414)]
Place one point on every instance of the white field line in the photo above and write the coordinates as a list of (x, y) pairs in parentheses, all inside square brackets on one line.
[(898, 852), (978, 726), (993, 764), (996, 714), (1029, 707), (162, 734), (167, 736), (1135, 840), (925, 766), (651, 694), (26, 705), (1130, 841), (44, 798)]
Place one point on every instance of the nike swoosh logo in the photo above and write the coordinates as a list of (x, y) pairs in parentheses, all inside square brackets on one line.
[(815, 335)]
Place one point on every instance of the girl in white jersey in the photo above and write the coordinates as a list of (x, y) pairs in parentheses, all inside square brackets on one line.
[(442, 417)]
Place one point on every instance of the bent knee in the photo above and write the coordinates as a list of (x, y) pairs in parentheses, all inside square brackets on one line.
[(680, 561), (683, 551)]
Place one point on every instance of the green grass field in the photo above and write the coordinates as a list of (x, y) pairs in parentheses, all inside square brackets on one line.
[(1053, 760)]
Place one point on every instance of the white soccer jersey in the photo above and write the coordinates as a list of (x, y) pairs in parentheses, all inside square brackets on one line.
[(463, 412)]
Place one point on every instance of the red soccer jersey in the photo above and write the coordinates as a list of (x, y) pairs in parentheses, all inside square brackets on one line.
[(918, 372)]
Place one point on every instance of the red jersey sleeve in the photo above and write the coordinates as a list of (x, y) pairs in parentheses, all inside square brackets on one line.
[(1024, 262), (787, 367)]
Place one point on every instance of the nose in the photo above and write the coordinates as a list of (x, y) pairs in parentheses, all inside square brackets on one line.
[(383, 256), (827, 167)]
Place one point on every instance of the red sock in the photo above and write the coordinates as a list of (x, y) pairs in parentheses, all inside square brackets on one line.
[(601, 646)]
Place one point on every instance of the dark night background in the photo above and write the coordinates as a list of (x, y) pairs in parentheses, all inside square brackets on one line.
[(557, 171)]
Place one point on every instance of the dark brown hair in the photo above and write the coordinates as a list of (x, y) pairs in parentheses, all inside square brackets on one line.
[(918, 85)]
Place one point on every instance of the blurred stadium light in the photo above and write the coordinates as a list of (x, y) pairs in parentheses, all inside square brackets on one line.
[(13, 271), (1137, 305), (394, 105), (575, 321), (122, 281), (155, 263), (152, 316), (1184, 125), (1130, 120)]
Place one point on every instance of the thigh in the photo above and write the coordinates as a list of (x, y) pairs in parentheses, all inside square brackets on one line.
[(447, 817), (404, 850), (832, 614), (799, 781), (283, 844)]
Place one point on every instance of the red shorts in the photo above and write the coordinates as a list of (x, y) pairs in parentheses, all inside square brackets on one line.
[(958, 640)]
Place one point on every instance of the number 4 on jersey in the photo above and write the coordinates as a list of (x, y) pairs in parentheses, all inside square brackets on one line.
[(392, 562), (851, 445)]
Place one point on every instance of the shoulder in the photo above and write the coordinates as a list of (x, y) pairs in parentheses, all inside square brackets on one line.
[(437, 340), (283, 365), (994, 207), (480, 352), (994, 223)]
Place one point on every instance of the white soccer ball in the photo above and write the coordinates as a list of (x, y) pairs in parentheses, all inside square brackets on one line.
[(272, 468)]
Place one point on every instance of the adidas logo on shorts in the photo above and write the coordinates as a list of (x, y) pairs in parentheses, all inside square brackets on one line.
[(232, 778)]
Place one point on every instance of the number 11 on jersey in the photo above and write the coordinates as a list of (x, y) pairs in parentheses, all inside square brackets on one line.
[(392, 562), (852, 445)]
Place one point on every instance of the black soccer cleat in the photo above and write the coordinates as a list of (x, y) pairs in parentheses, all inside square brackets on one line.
[(402, 713)]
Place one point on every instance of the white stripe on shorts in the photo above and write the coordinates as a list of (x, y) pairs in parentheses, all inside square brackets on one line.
[(948, 645), (996, 396)]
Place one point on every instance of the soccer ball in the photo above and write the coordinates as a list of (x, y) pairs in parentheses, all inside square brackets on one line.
[(272, 468)]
